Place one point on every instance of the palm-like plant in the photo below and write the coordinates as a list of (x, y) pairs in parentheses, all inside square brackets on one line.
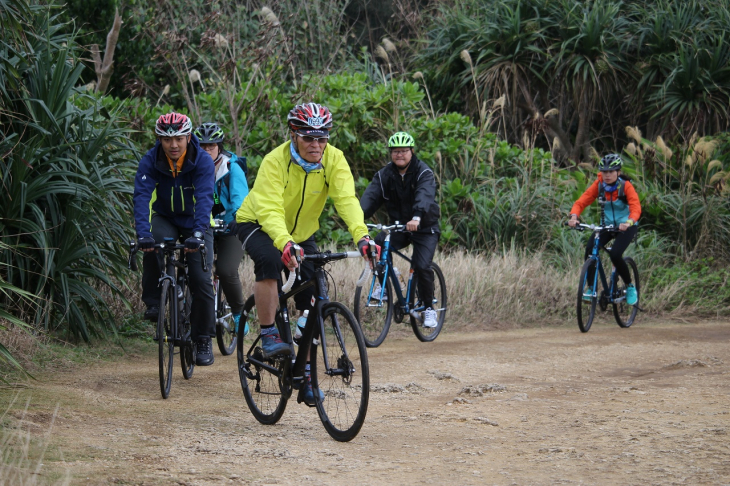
[(66, 192), (591, 63)]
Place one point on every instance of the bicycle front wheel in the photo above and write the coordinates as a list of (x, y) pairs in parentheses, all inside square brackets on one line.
[(623, 312), (166, 336), (587, 295), (225, 328), (423, 333), (187, 350), (373, 315), (340, 372), (262, 380)]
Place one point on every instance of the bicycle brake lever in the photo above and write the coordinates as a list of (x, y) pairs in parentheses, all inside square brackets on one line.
[(132, 262), (203, 258)]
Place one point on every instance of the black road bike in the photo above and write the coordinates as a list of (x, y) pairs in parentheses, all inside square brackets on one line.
[(173, 322), (331, 339)]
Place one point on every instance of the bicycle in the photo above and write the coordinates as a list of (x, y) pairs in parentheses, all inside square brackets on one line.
[(225, 326), (173, 322), (339, 363), (612, 292), (375, 312)]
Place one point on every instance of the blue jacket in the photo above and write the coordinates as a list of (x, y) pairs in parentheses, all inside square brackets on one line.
[(185, 200), (231, 187)]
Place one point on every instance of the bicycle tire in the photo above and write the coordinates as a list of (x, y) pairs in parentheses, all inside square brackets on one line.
[(427, 334), (374, 321), (187, 349), (265, 393), (340, 371), (225, 331), (165, 336), (586, 309), (624, 313)]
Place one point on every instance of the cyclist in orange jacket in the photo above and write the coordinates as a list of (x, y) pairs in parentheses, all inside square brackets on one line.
[(622, 209)]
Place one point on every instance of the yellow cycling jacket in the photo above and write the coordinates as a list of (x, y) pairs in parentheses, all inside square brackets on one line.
[(287, 202)]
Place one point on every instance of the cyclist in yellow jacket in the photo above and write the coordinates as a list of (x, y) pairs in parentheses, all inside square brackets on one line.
[(284, 206)]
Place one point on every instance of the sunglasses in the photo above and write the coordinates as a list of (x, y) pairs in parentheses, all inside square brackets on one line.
[(308, 139)]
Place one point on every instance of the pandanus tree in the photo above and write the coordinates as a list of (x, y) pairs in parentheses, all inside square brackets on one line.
[(65, 170)]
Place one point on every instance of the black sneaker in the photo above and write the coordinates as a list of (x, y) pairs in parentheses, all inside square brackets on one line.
[(152, 313), (204, 352)]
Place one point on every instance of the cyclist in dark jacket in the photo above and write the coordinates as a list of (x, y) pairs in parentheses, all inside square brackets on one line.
[(407, 187), (173, 198)]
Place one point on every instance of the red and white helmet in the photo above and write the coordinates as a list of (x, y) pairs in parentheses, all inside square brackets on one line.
[(173, 125), (309, 116)]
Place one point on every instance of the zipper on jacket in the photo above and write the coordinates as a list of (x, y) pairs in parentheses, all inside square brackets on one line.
[(182, 198), (304, 190)]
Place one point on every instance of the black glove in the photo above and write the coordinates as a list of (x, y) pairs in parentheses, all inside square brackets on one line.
[(146, 243), (193, 243)]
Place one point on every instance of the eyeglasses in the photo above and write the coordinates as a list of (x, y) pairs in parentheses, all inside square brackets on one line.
[(402, 152), (308, 139)]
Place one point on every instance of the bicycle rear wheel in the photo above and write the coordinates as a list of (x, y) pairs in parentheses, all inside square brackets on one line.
[(225, 326), (340, 371), (187, 350), (623, 312), (262, 380), (374, 316), (426, 334), (166, 336), (587, 295)]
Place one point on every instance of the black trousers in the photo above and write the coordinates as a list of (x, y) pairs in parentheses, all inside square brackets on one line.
[(267, 259), (424, 247), (229, 254), (201, 284), (620, 244)]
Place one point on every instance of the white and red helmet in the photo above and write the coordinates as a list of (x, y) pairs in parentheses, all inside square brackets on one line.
[(310, 117), (173, 125)]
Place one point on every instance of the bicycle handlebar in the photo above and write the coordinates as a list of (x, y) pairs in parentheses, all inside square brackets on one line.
[(592, 227), (317, 257), (387, 228), (165, 247)]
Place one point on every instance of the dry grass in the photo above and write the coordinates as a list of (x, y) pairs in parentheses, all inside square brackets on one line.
[(24, 441), (495, 291)]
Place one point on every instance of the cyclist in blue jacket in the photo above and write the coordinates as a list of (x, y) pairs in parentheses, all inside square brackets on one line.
[(173, 198), (230, 189)]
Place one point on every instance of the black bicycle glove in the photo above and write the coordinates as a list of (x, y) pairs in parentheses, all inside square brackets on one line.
[(146, 243), (193, 243)]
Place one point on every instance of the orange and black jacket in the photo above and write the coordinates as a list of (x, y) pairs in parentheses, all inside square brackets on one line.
[(621, 205)]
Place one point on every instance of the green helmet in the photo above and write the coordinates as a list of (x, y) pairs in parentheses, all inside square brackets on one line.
[(401, 139), (610, 162)]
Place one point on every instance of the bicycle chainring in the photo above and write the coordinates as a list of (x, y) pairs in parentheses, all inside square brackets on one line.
[(603, 302), (398, 314)]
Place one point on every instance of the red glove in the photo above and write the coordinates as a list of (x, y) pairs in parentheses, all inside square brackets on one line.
[(290, 252), (363, 246)]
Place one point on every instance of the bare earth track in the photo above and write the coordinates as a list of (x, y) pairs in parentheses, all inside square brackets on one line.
[(646, 405)]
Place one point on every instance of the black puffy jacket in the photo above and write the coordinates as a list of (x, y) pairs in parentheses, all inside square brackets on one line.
[(406, 196)]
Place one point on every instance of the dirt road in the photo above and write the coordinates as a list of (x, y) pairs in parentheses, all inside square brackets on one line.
[(646, 405)]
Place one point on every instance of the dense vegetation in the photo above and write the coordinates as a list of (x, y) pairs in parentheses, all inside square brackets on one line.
[(509, 101)]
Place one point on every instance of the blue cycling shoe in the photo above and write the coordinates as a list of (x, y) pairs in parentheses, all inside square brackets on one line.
[(309, 392), (272, 345), (631, 295), (237, 319)]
